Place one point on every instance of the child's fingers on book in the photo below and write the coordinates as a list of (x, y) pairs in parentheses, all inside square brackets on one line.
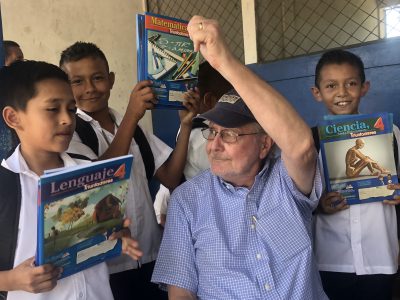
[(393, 186)]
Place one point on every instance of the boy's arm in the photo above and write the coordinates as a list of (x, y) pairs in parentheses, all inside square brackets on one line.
[(27, 277), (170, 172), (270, 108), (141, 99)]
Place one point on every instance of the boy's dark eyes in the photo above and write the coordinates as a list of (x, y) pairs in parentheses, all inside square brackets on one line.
[(330, 86), (75, 81), (56, 109)]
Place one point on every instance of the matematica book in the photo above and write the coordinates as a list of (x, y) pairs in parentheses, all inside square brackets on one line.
[(78, 209), (165, 55), (358, 156)]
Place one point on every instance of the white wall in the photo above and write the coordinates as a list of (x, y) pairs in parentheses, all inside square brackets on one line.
[(44, 28)]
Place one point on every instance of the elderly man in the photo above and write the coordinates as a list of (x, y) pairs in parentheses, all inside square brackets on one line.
[(242, 230)]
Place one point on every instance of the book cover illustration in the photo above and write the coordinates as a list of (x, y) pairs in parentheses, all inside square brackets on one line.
[(166, 56), (78, 209), (358, 156)]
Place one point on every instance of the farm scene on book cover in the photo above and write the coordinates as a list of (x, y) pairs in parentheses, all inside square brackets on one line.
[(93, 214), (79, 208), (358, 157)]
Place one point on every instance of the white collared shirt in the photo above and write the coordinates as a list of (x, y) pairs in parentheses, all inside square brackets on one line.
[(361, 239), (89, 284), (139, 208), (196, 162)]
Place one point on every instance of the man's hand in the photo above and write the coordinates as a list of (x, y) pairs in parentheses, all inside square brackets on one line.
[(192, 105), (207, 39), (129, 245), (27, 277), (141, 99), (332, 202), (396, 198)]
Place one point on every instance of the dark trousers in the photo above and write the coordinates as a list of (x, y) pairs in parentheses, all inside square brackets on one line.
[(343, 286), (135, 284)]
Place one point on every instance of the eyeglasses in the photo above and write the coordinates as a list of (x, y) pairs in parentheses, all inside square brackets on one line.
[(227, 135)]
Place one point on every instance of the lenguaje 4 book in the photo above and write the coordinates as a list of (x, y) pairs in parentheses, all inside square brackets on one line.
[(358, 156), (78, 209), (165, 55)]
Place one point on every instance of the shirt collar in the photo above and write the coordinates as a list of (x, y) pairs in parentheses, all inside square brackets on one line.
[(17, 164), (117, 117)]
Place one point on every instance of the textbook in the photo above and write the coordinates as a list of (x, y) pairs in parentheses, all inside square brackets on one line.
[(78, 209), (358, 156), (165, 55)]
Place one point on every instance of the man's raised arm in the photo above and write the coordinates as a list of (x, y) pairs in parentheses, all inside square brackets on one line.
[(270, 108)]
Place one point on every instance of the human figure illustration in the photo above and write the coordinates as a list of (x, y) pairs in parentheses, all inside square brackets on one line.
[(356, 161)]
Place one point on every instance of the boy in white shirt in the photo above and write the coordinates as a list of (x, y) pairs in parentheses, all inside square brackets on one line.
[(356, 246), (37, 103)]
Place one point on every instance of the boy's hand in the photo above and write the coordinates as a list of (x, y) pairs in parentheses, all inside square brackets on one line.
[(396, 198), (141, 99), (129, 245), (332, 202), (192, 105), (27, 277)]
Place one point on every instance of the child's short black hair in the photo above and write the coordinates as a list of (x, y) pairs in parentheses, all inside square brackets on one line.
[(18, 81), (7, 44), (80, 50), (211, 81), (338, 57)]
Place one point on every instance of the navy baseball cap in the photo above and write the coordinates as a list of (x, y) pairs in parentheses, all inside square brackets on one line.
[(230, 111)]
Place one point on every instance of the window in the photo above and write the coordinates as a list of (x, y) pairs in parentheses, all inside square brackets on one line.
[(392, 21)]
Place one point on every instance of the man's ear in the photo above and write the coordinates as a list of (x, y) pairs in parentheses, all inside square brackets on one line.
[(316, 93), (365, 88), (266, 146), (11, 118), (111, 77)]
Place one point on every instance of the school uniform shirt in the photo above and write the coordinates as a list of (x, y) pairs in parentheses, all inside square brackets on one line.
[(197, 159), (88, 284), (361, 239), (196, 162), (139, 207)]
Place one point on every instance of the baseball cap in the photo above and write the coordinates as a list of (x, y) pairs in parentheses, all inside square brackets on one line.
[(230, 111)]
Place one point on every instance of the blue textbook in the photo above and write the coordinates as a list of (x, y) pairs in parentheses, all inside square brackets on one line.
[(78, 209), (165, 55), (358, 156)]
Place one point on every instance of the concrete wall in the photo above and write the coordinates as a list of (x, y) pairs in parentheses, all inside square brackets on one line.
[(44, 28)]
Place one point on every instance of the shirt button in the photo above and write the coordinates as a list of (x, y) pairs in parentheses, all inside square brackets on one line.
[(258, 256), (267, 287), (80, 295), (355, 221), (252, 226)]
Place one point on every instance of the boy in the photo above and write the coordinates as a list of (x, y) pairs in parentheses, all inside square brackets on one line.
[(91, 81), (37, 103), (211, 86), (356, 246), (12, 52)]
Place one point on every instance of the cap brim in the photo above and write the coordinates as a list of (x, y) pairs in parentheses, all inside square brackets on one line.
[(225, 118)]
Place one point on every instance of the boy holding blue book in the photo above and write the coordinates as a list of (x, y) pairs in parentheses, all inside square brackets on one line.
[(38, 104), (356, 246)]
